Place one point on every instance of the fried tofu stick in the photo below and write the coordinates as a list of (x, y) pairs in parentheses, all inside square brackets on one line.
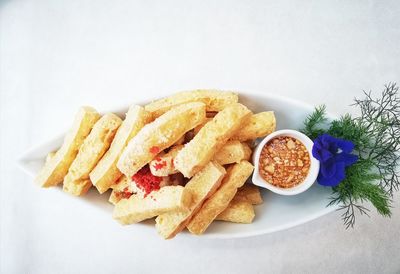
[(106, 172), (202, 186), (163, 165), (233, 152), (77, 180), (236, 176), (201, 149), (56, 167), (259, 125), (166, 199), (237, 212), (214, 100), (249, 193), (159, 135)]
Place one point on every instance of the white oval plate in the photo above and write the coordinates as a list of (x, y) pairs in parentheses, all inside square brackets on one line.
[(278, 212)]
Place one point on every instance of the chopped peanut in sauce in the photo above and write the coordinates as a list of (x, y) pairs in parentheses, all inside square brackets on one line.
[(284, 162)]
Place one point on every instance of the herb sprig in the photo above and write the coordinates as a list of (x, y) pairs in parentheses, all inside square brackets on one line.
[(376, 136)]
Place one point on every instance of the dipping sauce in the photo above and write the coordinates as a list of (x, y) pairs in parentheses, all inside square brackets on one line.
[(284, 162)]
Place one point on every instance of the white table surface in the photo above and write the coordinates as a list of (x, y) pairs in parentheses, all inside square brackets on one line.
[(58, 55)]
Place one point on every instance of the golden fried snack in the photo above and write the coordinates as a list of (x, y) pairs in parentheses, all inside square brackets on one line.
[(159, 135), (77, 180), (202, 186), (259, 125), (214, 100), (121, 189), (249, 193), (166, 199), (237, 212), (106, 172), (125, 187), (163, 165), (235, 177), (55, 169), (233, 152), (201, 149), (197, 129)]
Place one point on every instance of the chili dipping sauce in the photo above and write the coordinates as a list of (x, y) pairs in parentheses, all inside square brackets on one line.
[(284, 162)]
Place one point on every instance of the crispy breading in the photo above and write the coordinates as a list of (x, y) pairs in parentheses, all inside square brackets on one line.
[(259, 125), (215, 100), (55, 169), (249, 193), (236, 176), (202, 186), (163, 165), (122, 183), (106, 172), (197, 129), (233, 152), (77, 180), (166, 199), (159, 135), (238, 212), (201, 149)]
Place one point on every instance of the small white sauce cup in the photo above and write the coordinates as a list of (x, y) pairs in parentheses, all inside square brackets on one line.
[(312, 173)]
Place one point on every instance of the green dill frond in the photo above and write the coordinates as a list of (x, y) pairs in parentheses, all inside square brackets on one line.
[(358, 187), (349, 129), (314, 123), (376, 136), (380, 119)]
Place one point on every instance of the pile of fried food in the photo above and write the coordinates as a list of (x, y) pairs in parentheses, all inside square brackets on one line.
[(183, 159)]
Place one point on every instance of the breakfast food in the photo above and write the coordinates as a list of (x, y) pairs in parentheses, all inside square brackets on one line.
[(284, 162), (159, 135), (215, 101), (200, 150), (166, 199), (106, 172), (202, 186), (259, 125), (181, 159), (236, 176), (77, 180), (54, 171)]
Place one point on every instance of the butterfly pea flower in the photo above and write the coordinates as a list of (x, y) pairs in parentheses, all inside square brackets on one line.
[(334, 155)]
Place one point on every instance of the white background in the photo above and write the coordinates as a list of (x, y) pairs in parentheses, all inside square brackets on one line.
[(58, 55)]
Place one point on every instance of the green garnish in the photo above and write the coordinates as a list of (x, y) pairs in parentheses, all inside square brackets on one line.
[(376, 136)]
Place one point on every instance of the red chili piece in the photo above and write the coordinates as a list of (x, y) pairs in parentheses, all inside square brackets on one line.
[(146, 181), (154, 150)]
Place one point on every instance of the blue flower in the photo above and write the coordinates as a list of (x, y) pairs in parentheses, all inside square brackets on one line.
[(334, 156)]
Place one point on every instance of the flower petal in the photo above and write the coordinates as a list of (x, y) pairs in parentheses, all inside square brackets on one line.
[(327, 181), (328, 169), (329, 143), (347, 159), (345, 145), (321, 154), (340, 172)]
